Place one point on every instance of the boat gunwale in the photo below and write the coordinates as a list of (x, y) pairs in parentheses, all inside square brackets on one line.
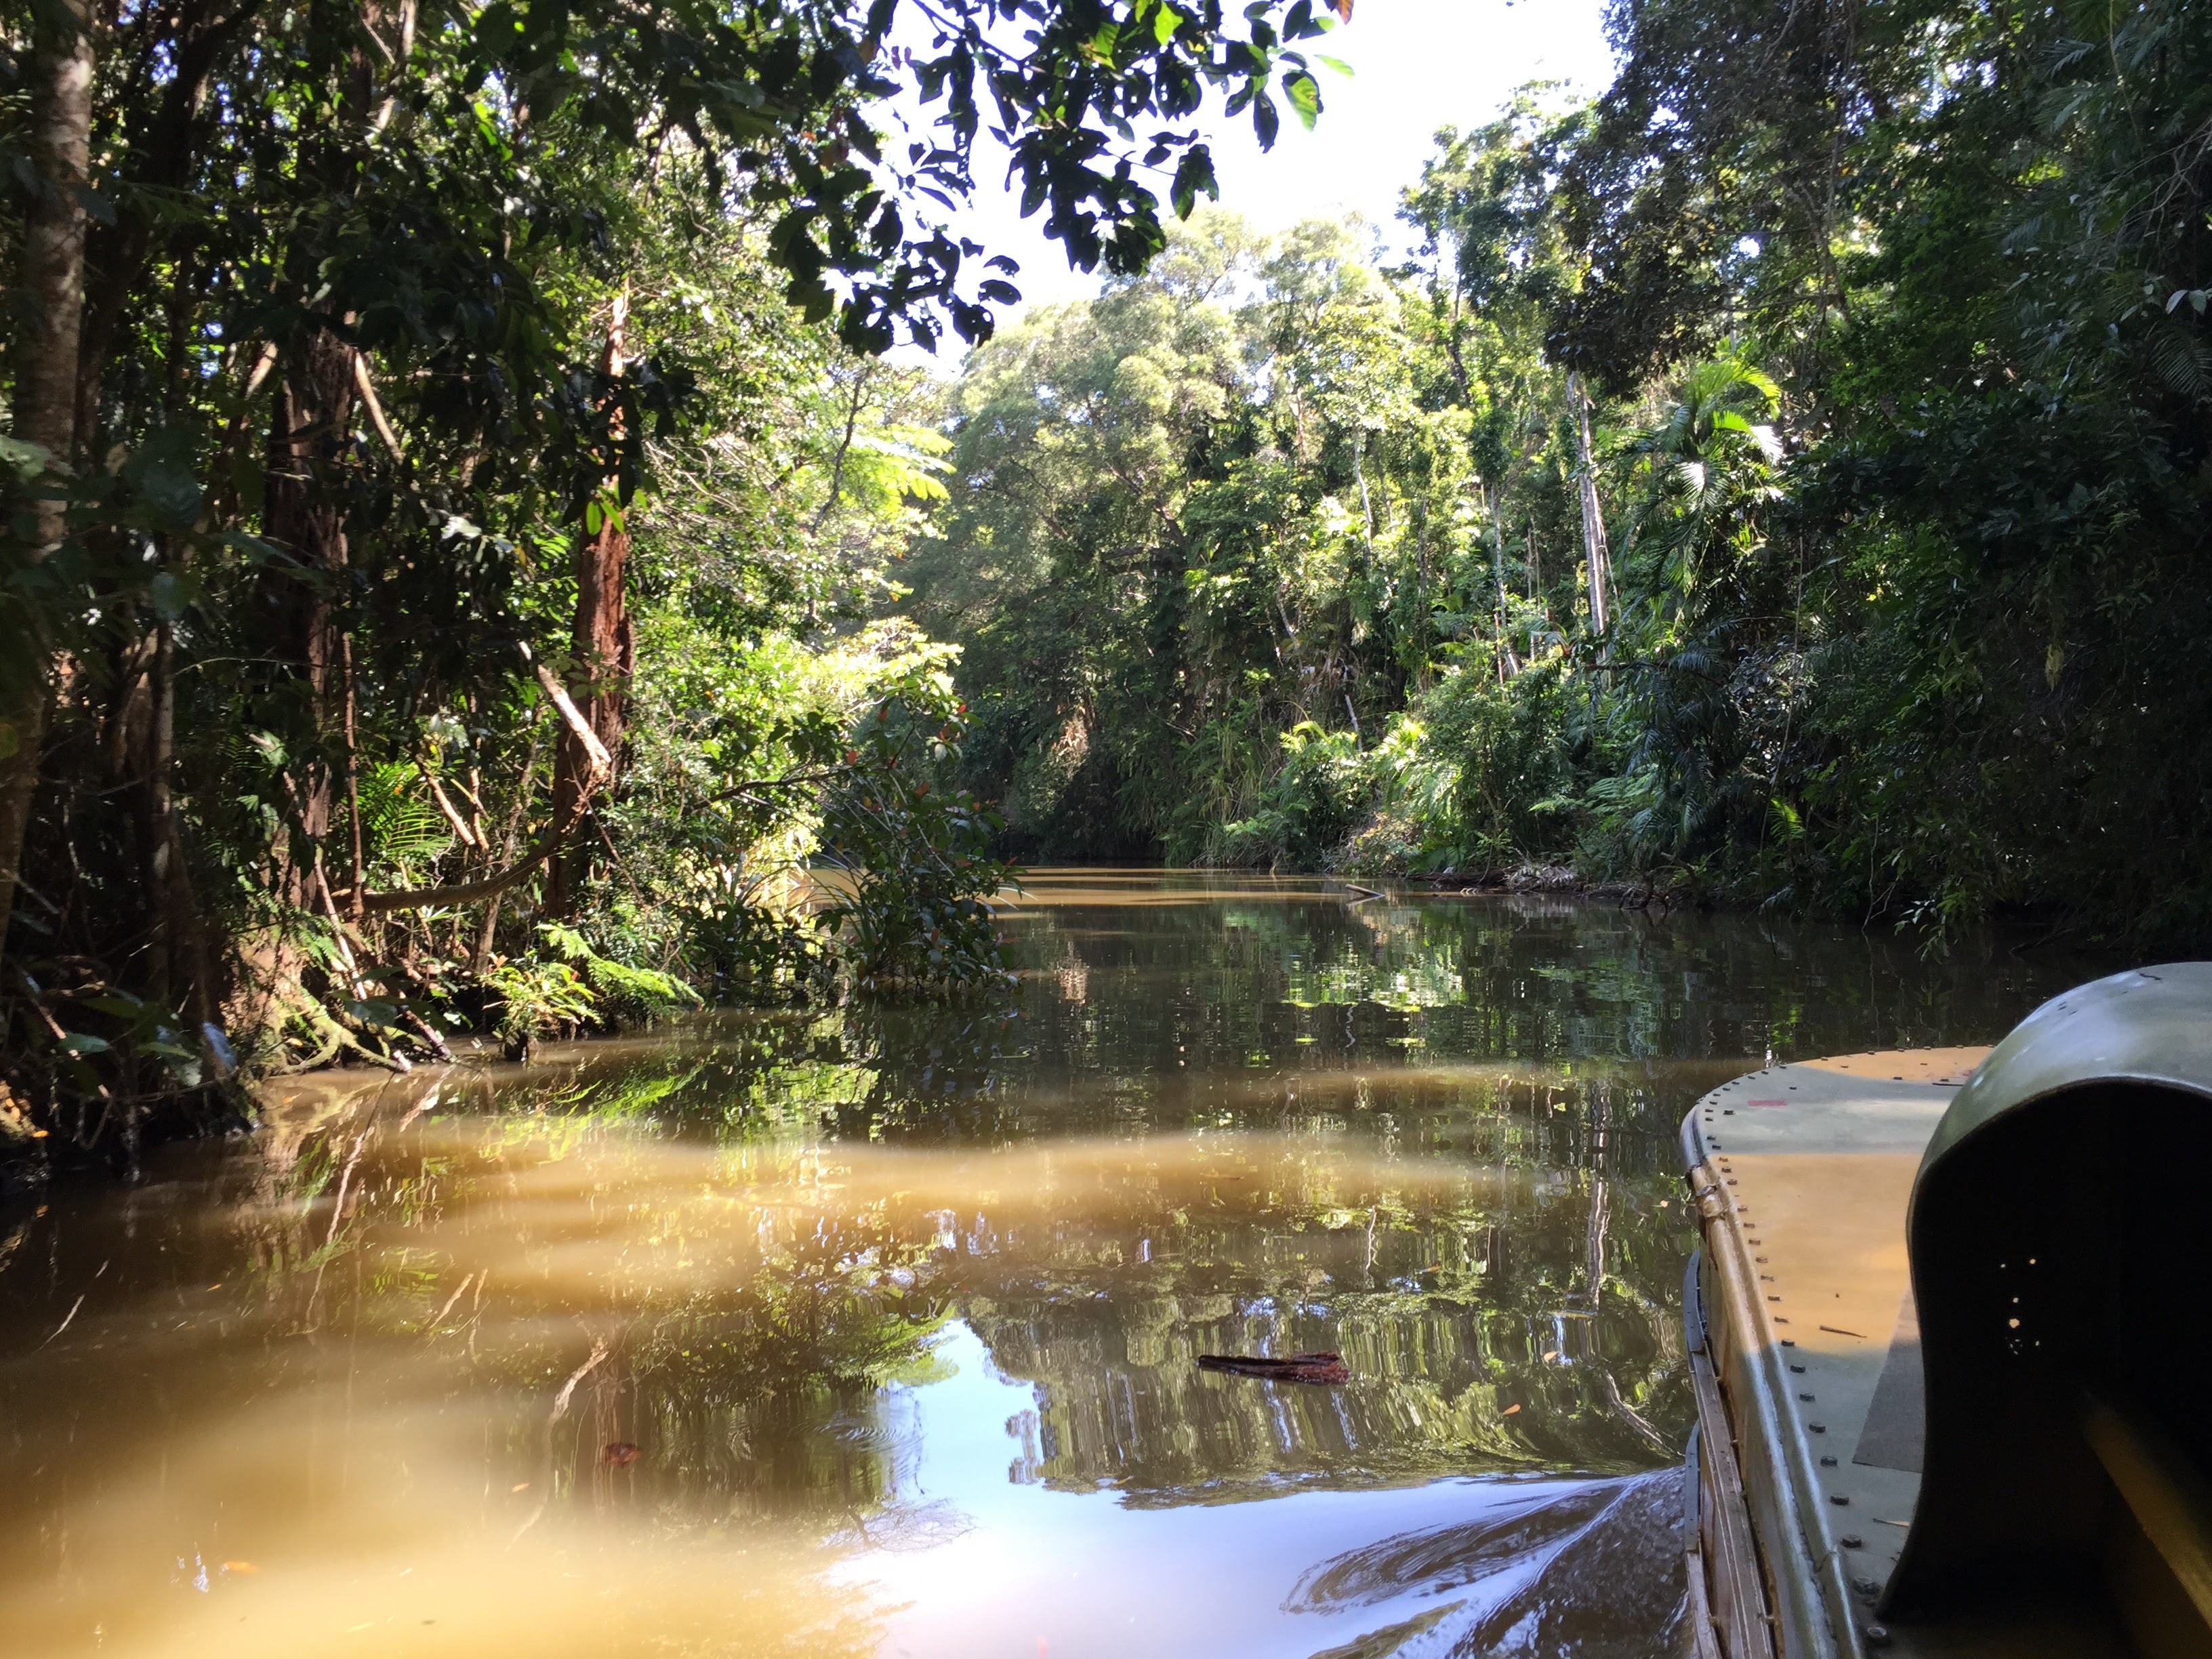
[(1730, 1610), (1804, 1569)]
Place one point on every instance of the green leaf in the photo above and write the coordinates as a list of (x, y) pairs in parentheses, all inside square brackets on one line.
[(1165, 21), (83, 1042), (1304, 94), (1193, 173)]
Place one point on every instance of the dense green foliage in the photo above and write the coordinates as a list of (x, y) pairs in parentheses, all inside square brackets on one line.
[(1892, 325), (449, 482)]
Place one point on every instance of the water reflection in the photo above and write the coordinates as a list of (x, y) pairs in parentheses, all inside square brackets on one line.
[(900, 1311)]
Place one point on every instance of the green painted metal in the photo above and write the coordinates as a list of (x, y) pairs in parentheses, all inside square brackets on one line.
[(2151, 1025), (2061, 1242)]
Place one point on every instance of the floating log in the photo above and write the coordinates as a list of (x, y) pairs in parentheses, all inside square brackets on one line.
[(1324, 1368)]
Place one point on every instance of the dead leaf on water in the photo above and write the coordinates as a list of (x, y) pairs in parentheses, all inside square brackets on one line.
[(1509, 1411)]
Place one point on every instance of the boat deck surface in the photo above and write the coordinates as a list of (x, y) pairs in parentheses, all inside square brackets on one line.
[(1812, 1166)]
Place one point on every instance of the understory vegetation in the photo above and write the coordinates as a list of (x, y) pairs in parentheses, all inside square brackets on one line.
[(472, 571), (1783, 480)]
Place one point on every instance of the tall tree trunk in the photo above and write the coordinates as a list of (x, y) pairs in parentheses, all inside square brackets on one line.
[(480, 959), (47, 371), (601, 657), (352, 777), (1508, 664), (157, 833), (1594, 547), (308, 440)]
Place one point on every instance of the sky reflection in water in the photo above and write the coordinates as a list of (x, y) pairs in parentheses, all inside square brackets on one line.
[(902, 1309)]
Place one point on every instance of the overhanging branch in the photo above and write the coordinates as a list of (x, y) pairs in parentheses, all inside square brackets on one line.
[(473, 892)]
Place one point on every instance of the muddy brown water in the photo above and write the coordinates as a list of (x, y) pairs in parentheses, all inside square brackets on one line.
[(875, 1333)]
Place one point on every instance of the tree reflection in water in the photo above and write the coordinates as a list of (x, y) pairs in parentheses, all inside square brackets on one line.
[(900, 1307)]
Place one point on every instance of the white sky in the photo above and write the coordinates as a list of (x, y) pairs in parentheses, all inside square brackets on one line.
[(1418, 65)]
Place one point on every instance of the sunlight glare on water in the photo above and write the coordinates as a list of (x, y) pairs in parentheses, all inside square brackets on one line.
[(875, 1332)]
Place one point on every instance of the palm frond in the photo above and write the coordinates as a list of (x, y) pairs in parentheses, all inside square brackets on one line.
[(397, 826)]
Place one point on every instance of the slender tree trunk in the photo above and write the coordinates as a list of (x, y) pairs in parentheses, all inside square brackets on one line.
[(1366, 506), (1594, 547), (52, 276), (310, 434), (845, 445), (308, 441), (601, 657), (352, 775), (481, 959), (152, 755), (1506, 663), (53, 244), (180, 971), (162, 868)]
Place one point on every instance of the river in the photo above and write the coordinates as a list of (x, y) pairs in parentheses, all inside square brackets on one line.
[(874, 1332)]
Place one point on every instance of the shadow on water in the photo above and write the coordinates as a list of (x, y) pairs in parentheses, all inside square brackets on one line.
[(876, 1332)]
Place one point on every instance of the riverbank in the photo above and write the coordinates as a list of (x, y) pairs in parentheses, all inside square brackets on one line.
[(1537, 878)]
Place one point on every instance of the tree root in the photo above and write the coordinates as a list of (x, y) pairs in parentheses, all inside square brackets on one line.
[(334, 1037)]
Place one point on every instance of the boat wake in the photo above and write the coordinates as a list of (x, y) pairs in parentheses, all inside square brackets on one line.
[(1572, 1576)]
